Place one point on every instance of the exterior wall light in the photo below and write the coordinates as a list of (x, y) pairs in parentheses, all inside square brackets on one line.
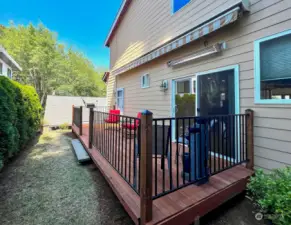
[(164, 85)]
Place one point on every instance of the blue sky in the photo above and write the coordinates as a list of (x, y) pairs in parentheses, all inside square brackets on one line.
[(83, 24)]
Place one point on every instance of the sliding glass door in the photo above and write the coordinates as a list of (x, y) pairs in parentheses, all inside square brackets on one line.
[(217, 96)]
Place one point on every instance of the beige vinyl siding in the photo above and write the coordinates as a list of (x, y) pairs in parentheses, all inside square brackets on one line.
[(272, 125), (110, 91), (149, 24)]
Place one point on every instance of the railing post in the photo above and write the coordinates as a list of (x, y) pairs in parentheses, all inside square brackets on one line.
[(146, 202), (91, 121), (81, 121), (73, 111), (250, 138)]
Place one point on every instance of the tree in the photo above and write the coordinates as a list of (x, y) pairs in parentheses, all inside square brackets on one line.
[(47, 65)]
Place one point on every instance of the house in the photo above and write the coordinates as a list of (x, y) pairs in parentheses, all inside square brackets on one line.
[(7, 64), (109, 89), (222, 56), (55, 117)]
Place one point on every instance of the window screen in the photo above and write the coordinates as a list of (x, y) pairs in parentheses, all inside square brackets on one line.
[(275, 66), (178, 4)]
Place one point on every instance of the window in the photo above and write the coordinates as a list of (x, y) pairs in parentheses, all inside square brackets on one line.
[(183, 87), (145, 81), (9, 73), (120, 99), (273, 69), (1, 68), (178, 4)]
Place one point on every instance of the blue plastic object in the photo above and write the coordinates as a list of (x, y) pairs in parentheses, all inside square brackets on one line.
[(186, 162), (197, 158)]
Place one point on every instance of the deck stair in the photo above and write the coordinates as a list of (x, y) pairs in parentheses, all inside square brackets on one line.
[(80, 151)]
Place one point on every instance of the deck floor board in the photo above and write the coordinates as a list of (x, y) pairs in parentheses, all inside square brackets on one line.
[(183, 205)]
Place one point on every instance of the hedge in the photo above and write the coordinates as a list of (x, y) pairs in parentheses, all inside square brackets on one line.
[(272, 192), (20, 119)]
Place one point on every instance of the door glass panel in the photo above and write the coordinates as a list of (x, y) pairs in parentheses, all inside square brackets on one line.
[(217, 97), (216, 94), (184, 99), (185, 104), (183, 87)]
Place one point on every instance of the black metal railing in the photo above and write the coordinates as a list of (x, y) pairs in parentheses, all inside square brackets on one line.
[(78, 117), (86, 111), (117, 138), (189, 150)]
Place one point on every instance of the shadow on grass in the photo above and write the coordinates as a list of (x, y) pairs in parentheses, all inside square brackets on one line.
[(70, 134), (23, 152)]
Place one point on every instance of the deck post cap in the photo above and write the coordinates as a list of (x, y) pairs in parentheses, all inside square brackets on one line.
[(146, 112)]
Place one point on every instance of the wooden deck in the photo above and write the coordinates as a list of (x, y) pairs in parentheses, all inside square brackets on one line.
[(180, 207)]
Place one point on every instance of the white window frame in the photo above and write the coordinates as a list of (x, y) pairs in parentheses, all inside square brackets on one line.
[(192, 86), (120, 98), (257, 65), (142, 84), (173, 2)]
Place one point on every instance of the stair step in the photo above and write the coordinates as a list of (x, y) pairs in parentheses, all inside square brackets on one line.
[(80, 152)]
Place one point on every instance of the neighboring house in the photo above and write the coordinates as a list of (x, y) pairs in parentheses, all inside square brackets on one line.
[(7, 64), (227, 56), (58, 109)]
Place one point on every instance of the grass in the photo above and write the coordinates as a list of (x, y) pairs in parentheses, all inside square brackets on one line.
[(45, 185)]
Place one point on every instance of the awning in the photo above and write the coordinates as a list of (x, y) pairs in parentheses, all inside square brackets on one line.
[(214, 24)]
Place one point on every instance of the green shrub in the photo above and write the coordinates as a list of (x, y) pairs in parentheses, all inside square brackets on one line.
[(20, 112), (64, 126), (272, 192)]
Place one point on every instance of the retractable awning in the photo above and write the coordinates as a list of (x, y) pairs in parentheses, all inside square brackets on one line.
[(217, 22)]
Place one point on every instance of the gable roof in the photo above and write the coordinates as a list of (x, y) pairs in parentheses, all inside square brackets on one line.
[(122, 10)]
